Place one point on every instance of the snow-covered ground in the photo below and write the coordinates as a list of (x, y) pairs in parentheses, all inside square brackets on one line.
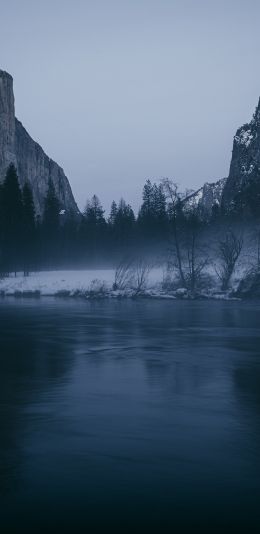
[(53, 282), (98, 283)]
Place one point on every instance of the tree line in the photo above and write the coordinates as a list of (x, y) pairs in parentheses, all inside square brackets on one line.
[(62, 239), (29, 242)]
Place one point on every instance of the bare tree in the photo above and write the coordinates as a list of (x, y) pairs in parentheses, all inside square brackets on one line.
[(197, 259), (229, 251), (186, 232), (123, 275), (141, 271), (175, 200)]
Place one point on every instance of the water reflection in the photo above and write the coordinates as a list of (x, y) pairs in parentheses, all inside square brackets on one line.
[(139, 411), (30, 363)]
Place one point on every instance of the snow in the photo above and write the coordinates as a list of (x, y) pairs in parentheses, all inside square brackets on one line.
[(244, 138), (98, 283), (50, 283), (193, 200), (247, 170), (206, 196)]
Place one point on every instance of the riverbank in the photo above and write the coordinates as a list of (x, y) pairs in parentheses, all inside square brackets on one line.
[(96, 284)]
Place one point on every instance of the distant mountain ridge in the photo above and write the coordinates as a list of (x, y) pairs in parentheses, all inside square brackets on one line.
[(33, 165)]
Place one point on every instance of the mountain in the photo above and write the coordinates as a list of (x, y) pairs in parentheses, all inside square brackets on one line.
[(206, 198), (33, 165), (240, 192), (243, 182)]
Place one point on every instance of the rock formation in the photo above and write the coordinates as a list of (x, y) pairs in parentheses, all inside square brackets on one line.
[(245, 161), (206, 198), (34, 165), (16, 146), (240, 191)]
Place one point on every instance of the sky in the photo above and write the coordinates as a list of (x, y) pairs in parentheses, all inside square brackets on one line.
[(121, 91)]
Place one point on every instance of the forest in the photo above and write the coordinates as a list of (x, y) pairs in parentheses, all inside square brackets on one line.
[(166, 229)]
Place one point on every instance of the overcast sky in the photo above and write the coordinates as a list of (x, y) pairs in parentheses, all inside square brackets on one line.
[(121, 91)]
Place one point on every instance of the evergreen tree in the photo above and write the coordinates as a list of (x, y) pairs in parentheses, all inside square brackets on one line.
[(69, 239), (94, 213), (50, 225), (51, 210), (113, 214), (124, 223), (159, 210), (28, 228), (93, 229), (145, 216), (152, 217), (147, 204), (12, 214)]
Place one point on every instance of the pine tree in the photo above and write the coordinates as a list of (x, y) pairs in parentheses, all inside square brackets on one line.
[(147, 205), (93, 229), (124, 223), (29, 228), (159, 210), (152, 217), (12, 209), (69, 238), (51, 210), (145, 215), (94, 213), (50, 225), (113, 214)]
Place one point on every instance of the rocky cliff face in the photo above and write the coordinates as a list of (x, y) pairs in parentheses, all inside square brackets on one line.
[(7, 122), (240, 192), (206, 198), (245, 161), (32, 163)]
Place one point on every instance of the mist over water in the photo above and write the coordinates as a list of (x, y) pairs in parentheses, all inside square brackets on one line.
[(129, 415)]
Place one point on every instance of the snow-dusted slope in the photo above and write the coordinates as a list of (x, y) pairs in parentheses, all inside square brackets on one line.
[(205, 198)]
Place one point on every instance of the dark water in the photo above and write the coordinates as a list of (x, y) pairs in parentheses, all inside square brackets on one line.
[(129, 417)]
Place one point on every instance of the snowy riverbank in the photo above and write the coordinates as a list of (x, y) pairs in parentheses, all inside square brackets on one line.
[(50, 283), (92, 284)]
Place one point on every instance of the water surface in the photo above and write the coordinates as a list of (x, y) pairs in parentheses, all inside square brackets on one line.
[(129, 416)]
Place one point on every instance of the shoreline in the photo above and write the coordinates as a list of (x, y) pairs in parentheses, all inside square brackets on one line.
[(118, 295)]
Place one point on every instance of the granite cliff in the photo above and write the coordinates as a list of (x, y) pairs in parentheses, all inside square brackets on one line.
[(33, 165), (245, 163), (240, 192), (206, 198)]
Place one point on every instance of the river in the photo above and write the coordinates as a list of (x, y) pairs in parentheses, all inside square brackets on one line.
[(134, 416)]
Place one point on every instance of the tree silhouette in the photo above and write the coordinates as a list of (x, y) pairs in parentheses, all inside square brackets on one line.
[(29, 228), (12, 209), (50, 225)]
